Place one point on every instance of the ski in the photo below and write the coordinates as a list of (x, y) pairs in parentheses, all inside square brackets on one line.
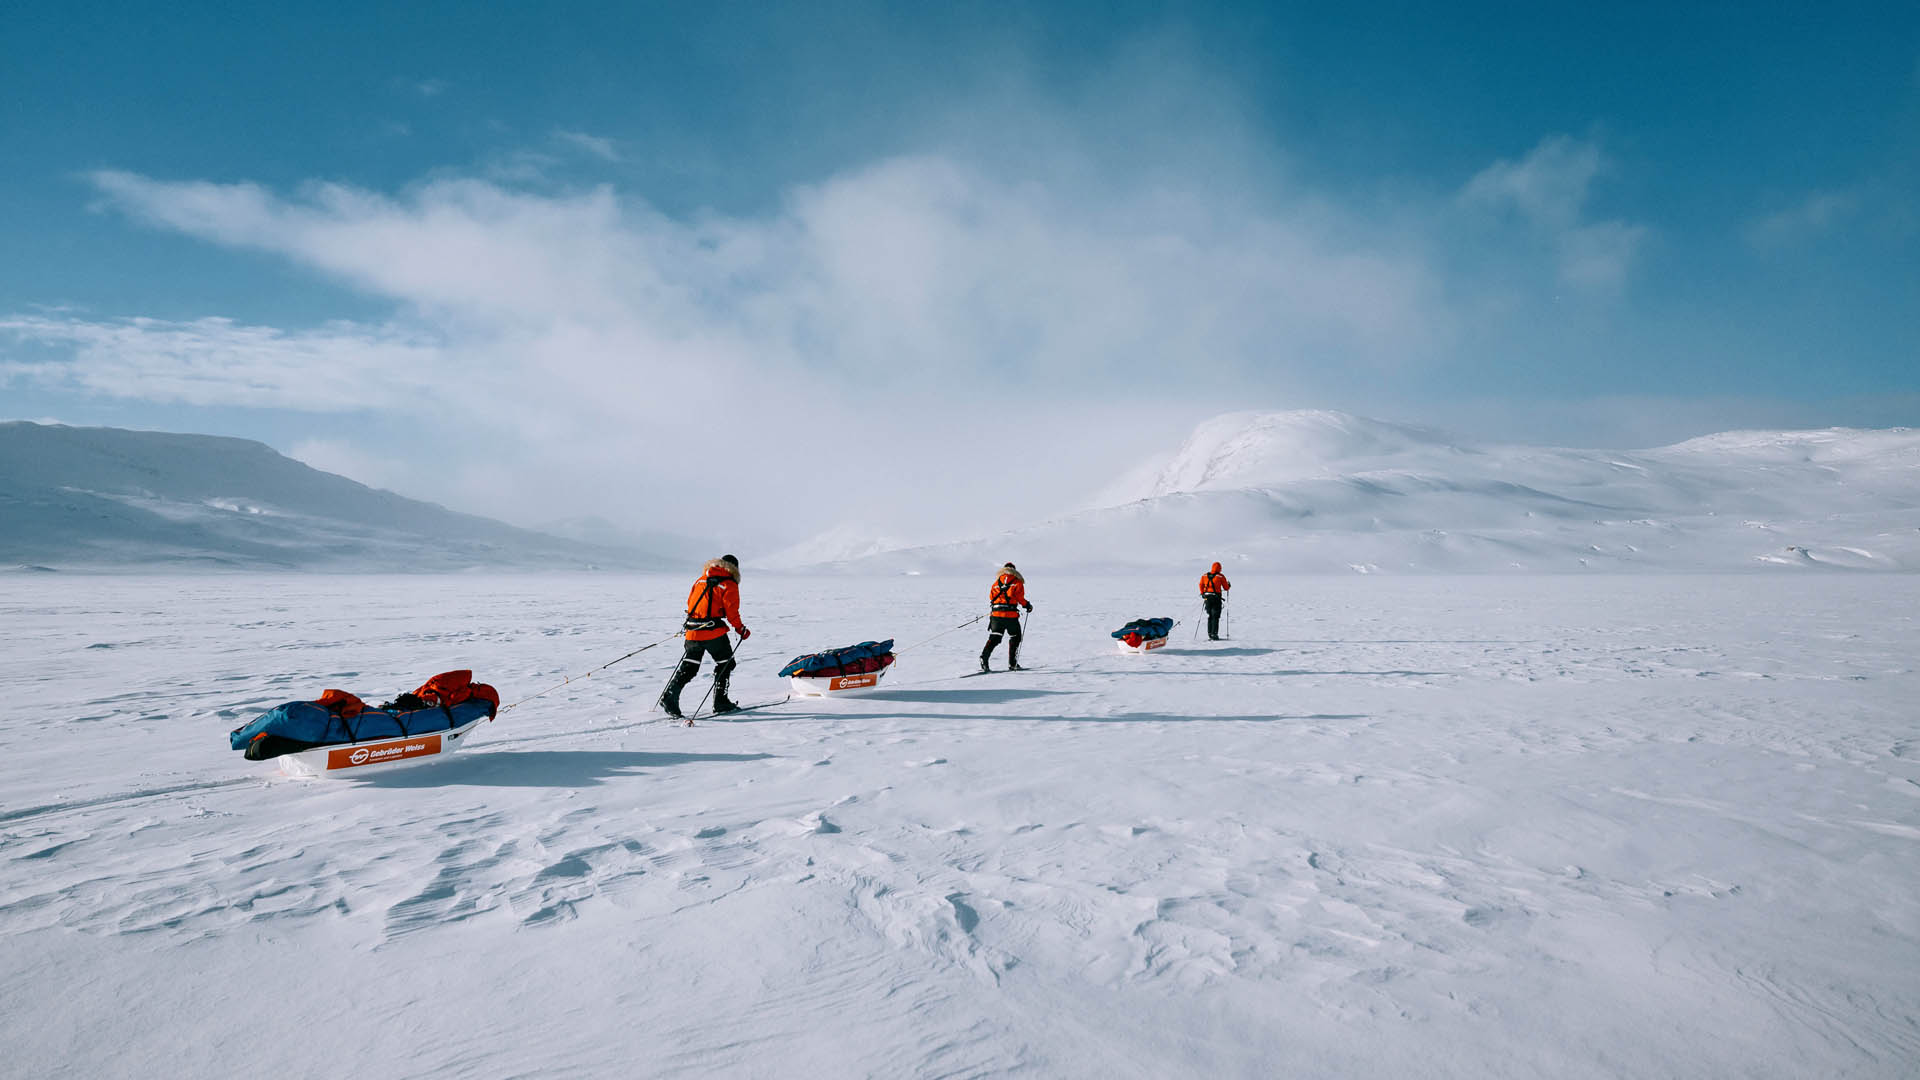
[(741, 709), (996, 671)]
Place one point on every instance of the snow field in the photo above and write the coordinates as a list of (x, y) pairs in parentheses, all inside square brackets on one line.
[(1619, 826)]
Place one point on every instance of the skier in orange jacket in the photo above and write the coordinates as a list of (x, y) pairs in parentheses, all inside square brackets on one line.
[(712, 604), (1008, 595), (1213, 594)]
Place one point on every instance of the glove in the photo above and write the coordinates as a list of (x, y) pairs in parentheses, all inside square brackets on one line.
[(1026, 605), (745, 633)]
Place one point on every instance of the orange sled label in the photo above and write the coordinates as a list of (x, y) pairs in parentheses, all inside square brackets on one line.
[(348, 757), (851, 682)]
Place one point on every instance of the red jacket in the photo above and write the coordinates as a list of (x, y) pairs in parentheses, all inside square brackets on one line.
[(1007, 594), (1213, 582), (713, 602)]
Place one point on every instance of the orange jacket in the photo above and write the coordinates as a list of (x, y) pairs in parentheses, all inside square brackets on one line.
[(1214, 583), (1007, 593), (713, 602)]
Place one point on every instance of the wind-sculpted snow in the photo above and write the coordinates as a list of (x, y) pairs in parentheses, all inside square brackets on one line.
[(1321, 492), (1473, 827)]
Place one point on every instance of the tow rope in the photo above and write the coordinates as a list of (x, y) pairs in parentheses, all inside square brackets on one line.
[(577, 678), (941, 634)]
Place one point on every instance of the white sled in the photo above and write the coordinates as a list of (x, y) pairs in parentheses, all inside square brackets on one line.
[(353, 759), (1146, 644), (835, 685)]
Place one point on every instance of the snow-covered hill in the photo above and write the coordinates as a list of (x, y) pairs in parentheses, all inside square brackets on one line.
[(1319, 491), (72, 496), (842, 543)]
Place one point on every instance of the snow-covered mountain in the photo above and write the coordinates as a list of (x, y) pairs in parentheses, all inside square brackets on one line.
[(1254, 449), (72, 496), (1318, 491), (842, 543)]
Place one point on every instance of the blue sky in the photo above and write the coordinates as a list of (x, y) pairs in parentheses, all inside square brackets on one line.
[(963, 238)]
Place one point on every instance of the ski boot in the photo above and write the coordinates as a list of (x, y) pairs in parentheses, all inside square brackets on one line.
[(721, 702), (1013, 656), (670, 697)]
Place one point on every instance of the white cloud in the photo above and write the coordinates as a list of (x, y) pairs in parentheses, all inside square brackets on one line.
[(1548, 186), (1548, 189), (597, 145), (213, 361), (1813, 216), (890, 307), (923, 309), (915, 267), (366, 464), (1598, 257)]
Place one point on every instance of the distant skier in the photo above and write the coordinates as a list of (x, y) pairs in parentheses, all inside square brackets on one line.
[(713, 603), (1008, 595), (1213, 594)]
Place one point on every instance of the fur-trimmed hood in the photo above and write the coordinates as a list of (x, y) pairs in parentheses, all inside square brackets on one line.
[(1014, 574), (720, 566)]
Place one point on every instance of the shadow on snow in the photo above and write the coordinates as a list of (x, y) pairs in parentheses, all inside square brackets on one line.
[(963, 696), (540, 768), (1282, 673), (1170, 718), (1118, 718), (1237, 650)]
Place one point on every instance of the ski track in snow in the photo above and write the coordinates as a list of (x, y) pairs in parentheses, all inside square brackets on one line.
[(1444, 826)]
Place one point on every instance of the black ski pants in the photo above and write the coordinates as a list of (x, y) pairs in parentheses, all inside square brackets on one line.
[(996, 626), (1214, 602), (720, 648)]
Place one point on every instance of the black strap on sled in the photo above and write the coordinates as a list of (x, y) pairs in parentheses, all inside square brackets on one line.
[(346, 725)]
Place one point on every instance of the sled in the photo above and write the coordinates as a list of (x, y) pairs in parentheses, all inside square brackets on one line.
[(835, 685), (356, 759), (826, 674), (1145, 635)]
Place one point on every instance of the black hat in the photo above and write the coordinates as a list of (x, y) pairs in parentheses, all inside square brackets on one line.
[(1008, 566), (730, 560)]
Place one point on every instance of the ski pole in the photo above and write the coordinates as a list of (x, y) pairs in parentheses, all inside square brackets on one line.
[(590, 674), (703, 697)]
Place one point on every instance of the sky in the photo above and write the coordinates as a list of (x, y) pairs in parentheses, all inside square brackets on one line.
[(936, 270)]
